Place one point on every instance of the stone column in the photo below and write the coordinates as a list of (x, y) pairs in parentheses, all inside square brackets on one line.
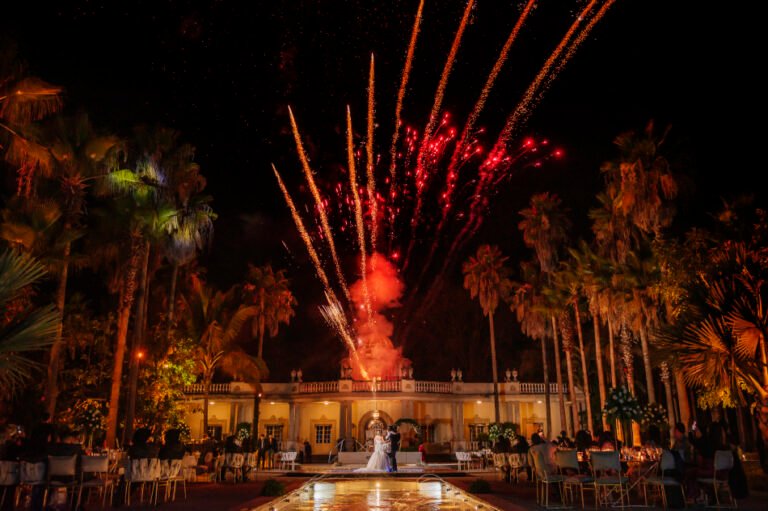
[(345, 423), (293, 426), (457, 423)]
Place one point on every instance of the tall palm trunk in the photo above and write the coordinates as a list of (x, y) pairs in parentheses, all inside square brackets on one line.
[(137, 345), (612, 354), (495, 371), (666, 380), (572, 394), (171, 302), (206, 397), (559, 375), (127, 292), (600, 372), (260, 319), (547, 397), (256, 414), (584, 372), (54, 356), (647, 366), (682, 399)]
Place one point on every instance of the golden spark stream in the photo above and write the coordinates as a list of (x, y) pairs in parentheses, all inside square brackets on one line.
[(333, 313), (528, 100), (401, 92), (303, 233), (371, 181), (358, 213), (319, 202)]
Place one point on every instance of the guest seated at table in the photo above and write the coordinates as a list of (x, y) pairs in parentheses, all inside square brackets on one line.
[(172, 449), (583, 440), (140, 447), (608, 442), (563, 441), (540, 446), (68, 445)]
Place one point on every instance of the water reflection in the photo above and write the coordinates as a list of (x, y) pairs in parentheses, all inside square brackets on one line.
[(379, 495)]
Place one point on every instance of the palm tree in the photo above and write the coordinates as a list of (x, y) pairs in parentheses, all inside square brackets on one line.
[(78, 155), (23, 328), (487, 278), (211, 320), (24, 99), (268, 291), (545, 227)]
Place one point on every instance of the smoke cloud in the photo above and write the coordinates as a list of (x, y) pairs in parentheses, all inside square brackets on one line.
[(374, 344)]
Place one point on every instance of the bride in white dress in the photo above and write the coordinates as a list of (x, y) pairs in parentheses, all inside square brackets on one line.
[(379, 461)]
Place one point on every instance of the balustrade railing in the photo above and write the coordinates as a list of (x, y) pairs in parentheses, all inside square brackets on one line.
[(434, 387), (199, 388), (321, 387), (316, 387)]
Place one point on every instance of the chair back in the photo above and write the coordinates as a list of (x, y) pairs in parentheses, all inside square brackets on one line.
[(94, 464), (144, 470), (517, 460), (723, 463), (237, 460), (32, 473), (189, 461), (567, 459), (289, 456), (62, 466), (606, 461), (208, 457), (174, 468), (9, 473), (667, 462), (540, 465), (218, 463)]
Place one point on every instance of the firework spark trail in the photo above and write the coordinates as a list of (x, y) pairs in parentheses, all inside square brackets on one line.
[(371, 181), (459, 148), (334, 315), (303, 233), (333, 312), (529, 99), (421, 174), (401, 91), (358, 213), (574, 46), (319, 203)]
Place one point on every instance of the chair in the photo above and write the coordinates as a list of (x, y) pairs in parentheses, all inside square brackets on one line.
[(567, 461), (94, 474), (288, 459), (233, 461), (500, 464), (464, 460), (170, 475), (544, 479), (189, 468), (723, 464), (31, 474), (660, 481), (606, 469), (251, 463), (218, 465), (144, 471), (62, 473), (517, 463), (9, 477)]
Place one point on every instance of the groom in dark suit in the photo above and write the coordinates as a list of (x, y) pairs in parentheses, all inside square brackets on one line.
[(394, 445)]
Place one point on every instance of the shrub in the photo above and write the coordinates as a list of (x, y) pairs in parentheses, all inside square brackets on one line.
[(273, 488), (480, 486)]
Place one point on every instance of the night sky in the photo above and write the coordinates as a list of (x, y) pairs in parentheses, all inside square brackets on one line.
[(222, 72)]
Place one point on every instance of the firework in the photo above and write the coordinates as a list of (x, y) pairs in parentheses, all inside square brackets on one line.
[(371, 182), (358, 212), (416, 158), (318, 202)]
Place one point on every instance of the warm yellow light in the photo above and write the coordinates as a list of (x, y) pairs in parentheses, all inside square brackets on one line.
[(140, 355), (326, 403), (479, 402), (271, 402), (211, 402)]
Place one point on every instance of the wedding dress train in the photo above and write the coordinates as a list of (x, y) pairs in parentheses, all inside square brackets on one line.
[(379, 460)]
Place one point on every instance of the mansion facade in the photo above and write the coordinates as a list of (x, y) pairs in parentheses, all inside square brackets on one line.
[(451, 415)]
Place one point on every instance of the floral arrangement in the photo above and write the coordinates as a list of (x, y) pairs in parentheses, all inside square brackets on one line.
[(243, 431), (88, 416), (654, 415), (412, 423), (185, 434), (622, 405), (506, 430)]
